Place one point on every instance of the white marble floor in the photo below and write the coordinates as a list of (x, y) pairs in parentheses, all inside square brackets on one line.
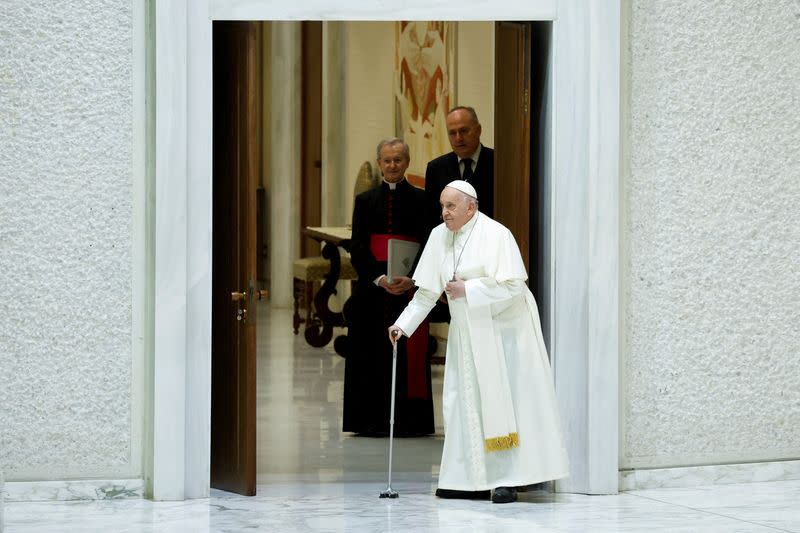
[(314, 479)]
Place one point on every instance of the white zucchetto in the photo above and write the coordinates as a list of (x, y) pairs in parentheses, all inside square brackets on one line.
[(464, 187)]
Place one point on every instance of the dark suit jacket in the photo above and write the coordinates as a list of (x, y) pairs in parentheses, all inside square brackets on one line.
[(444, 169)]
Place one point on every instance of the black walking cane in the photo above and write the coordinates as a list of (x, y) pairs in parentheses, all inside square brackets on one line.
[(389, 492)]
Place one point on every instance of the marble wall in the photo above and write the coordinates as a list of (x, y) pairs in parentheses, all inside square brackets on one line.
[(67, 389), (712, 278)]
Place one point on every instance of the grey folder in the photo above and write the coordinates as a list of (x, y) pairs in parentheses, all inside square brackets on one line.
[(401, 257)]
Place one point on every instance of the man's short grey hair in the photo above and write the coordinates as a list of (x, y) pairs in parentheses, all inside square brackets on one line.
[(470, 110), (392, 142)]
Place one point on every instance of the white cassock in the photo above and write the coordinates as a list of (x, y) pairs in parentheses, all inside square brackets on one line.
[(500, 415)]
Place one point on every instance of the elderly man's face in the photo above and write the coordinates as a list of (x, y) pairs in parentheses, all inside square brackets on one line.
[(457, 209), (463, 132), (393, 162)]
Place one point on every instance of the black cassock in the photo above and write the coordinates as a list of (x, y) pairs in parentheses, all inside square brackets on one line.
[(378, 214)]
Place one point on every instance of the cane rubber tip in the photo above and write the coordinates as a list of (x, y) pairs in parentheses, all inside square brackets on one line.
[(389, 494)]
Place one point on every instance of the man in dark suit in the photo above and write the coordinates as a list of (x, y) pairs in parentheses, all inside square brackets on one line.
[(469, 161)]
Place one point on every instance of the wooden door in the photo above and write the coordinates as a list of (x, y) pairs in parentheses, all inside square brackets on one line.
[(311, 193), (236, 168), (512, 160)]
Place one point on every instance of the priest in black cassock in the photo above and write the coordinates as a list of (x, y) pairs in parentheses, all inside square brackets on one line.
[(392, 210)]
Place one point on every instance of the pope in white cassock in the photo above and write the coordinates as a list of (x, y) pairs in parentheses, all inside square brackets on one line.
[(501, 420)]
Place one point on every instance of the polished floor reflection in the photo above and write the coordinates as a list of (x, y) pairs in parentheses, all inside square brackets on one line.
[(312, 478), (300, 417)]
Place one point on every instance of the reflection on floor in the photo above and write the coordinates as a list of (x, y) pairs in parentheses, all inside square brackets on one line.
[(300, 417), (314, 479)]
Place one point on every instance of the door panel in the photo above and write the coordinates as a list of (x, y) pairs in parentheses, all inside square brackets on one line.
[(311, 193), (236, 169), (512, 184)]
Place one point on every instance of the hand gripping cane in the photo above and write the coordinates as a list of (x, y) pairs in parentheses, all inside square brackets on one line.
[(389, 493)]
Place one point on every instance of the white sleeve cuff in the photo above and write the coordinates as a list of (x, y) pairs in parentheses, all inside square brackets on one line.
[(416, 311)]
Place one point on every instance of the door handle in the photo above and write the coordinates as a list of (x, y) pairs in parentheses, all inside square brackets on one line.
[(240, 297)]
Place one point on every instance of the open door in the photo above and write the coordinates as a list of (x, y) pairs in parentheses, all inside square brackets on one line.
[(512, 146), (236, 169), (311, 132)]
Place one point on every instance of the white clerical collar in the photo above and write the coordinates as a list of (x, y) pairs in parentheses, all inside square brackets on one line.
[(393, 186), (468, 226), (474, 156)]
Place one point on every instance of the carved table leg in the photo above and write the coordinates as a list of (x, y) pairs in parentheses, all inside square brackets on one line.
[(297, 293), (319, 330)]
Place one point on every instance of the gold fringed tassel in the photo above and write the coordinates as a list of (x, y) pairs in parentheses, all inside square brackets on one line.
[(497, 444)]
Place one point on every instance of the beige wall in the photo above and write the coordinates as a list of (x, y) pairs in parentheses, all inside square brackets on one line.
[(369, 103), (369, 78), (475, 73)]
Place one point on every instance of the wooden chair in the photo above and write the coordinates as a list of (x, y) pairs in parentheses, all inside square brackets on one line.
[(309, 273)]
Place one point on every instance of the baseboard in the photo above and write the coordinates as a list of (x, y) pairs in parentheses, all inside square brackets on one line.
[(695, 476), (81, 489)]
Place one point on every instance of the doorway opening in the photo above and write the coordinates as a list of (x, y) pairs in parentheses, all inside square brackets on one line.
[(523, 153), (241, 191)]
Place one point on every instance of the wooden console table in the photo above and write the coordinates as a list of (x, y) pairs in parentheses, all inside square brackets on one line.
[(319, 330)]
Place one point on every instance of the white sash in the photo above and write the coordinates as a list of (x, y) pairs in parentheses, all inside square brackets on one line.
[(497, 409)]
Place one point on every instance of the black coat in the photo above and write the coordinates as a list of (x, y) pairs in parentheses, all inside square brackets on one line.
[(445, 169), (371, 216), (368, 367)]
